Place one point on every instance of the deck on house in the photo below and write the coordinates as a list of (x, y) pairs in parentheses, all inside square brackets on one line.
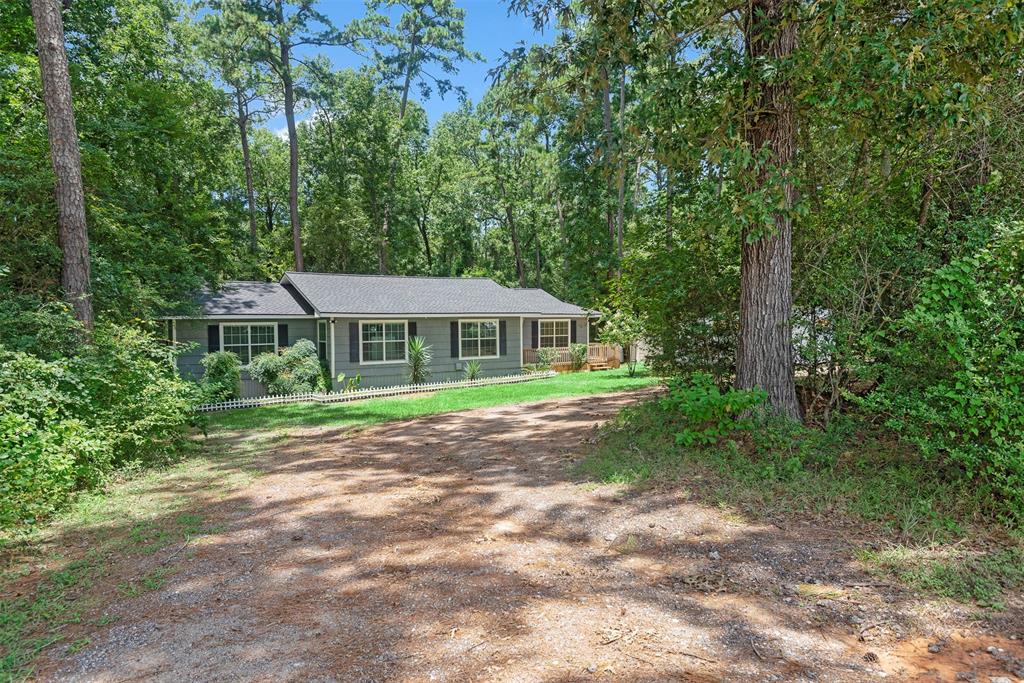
[(599, 357)]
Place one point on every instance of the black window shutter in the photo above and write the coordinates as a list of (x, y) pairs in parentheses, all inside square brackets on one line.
[(572, 331), (412, 330), (533, 334), (353, 342), (213, 338), (282, 335), (502, 342), (454, 327)]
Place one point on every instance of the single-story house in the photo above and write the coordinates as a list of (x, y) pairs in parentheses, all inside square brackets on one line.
[(361, 324)]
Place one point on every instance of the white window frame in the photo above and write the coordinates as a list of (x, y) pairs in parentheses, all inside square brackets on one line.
[(249, 337), (383, 362), (497, 337), (541, 335), (324, 341)]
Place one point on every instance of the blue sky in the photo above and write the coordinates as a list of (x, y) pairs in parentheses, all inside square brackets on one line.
[(489, 30)]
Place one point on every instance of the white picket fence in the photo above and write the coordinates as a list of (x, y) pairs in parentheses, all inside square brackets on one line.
[(358, 394)]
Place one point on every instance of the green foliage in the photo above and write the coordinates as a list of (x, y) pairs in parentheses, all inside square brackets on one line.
[(157, 159), (296, 370), (419, 360), (351, 384), (67, 423), (703, 414), (851, 468), (578, 356), (545, 358), (951, 369), (222, 376), (471, 370), (982, 578), (625, 330)]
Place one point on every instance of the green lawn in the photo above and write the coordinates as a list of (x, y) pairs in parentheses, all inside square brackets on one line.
[(376, 410)]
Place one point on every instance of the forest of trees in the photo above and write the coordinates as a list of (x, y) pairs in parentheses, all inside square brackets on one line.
[(817, 199)]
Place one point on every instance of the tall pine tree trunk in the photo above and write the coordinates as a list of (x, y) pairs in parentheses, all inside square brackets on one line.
[(293, 142), (764, 357), (250, 192), (73, 235)]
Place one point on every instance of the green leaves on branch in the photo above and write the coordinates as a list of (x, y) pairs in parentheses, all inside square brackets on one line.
[(703, 414), (950, 370), (296, 370)]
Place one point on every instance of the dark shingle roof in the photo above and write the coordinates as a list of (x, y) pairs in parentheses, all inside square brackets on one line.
[(253, 298), (339, 294)]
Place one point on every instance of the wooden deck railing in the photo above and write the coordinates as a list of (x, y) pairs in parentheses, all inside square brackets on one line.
[(596, 353)]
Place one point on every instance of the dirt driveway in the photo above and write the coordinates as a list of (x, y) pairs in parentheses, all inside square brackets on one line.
[(462, 548)]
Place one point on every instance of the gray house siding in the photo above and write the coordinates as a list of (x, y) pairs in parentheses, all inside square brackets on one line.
[(582, 329), (437, 333), (194, 332)]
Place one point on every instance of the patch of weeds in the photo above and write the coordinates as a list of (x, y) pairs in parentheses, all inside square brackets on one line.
[(630, 545), (133, 515), (190, 524), (982, 578), (778, 467), (148, 582), (53, 605), (78, 645)]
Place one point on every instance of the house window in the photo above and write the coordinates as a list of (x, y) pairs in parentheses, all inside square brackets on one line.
[(478, 339), (249, 341), (382, 341), (321, 339), (554, 334)]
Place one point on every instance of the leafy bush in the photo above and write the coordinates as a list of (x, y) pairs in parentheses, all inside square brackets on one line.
[(545, 357), (67, 423), (222, 376), (950, 370), (296, 370), (578, 356), (419, 360), (707, 413), (625, 330), (471, 370)]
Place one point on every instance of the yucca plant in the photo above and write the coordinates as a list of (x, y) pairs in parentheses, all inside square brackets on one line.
[(419, 360), (471, 369)]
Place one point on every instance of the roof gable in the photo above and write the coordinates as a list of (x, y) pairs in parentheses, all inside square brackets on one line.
[(268, 299)]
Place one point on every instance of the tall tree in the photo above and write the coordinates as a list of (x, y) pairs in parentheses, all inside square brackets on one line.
[(764, 354), (280, 30), (428, 32), (65, 156), (228, 49)]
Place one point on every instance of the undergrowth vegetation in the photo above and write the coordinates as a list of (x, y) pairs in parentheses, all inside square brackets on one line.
[(67, 422), (981, 577), (710, 441)]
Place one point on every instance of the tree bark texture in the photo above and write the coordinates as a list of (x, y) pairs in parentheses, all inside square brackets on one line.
[(293, 142), (764, 357), (250, 192), (72, 232)]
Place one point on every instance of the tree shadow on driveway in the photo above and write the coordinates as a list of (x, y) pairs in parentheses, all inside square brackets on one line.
[(462, 547)]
